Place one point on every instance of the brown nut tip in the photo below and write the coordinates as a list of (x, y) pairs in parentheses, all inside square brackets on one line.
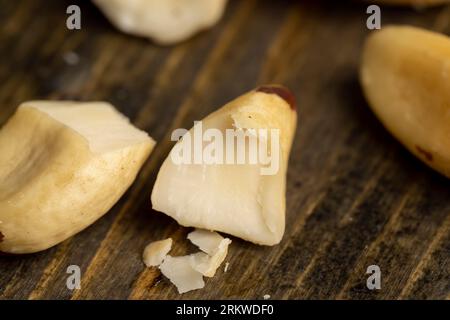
[(280, 91)]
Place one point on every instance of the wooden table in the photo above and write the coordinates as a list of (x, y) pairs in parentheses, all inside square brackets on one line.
[(355, 196)]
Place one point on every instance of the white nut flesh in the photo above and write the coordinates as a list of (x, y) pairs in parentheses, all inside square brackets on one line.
[(234, 198), (207, 264), (155, 252), (62, 166), (164, 21), (180, 272), (186, 272), (405, 74), (207, 241), (214, 247)]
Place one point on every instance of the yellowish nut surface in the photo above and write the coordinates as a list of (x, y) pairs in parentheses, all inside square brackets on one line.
[(405, 74), (62, 166), (155, 252)]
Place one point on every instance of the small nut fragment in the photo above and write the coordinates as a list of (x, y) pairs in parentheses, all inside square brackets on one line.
[(215, 247), (405, 74), (186, 272), (208, 264), (207, 241), (164, 21), (180, 272), (155, 252)]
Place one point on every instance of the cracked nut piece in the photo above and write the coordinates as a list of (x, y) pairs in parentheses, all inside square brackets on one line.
[(186, 272), (207, 264), (405, 74), (234, 198), (164, 21), (62, 166), (205, 240), (155, 252), (215, 250)]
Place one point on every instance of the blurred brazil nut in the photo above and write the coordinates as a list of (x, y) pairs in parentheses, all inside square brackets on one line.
[(164, 21), (405, 75)]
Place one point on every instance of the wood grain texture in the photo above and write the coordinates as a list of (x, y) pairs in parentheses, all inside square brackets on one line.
[(355, 196)]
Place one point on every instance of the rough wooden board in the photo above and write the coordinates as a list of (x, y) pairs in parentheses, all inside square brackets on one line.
[(355, 196)]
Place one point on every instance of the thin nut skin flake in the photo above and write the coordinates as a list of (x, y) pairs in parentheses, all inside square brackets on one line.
[(155, 252)]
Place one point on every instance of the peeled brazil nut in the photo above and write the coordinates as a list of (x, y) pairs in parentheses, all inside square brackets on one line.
[(245, 199), (405, 74), (164, 21), (62, 166)]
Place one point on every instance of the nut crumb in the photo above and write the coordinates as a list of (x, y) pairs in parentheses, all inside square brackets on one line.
[(155, 252), (226, 267), (71, 58), (266, 297)]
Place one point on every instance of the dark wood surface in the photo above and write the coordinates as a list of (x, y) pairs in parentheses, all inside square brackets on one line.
[(355, 196)]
